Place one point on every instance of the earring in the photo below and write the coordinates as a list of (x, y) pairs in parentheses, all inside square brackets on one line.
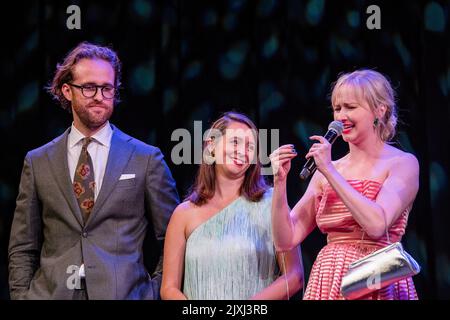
[(209, 157), (375, 122)]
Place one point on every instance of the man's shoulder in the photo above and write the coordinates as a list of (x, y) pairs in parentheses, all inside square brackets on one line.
[(42, 150), (139, 145)]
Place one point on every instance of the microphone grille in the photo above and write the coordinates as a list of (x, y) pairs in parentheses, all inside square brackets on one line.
[(336, 126)]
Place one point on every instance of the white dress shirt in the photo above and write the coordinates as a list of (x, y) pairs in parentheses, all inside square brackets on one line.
[(98, 150)]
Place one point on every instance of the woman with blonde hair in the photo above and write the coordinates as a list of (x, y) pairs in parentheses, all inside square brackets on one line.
[(360, 201), (219, 243)]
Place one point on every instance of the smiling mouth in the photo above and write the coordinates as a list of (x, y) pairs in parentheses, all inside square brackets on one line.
[(348, 127), (238, 161)]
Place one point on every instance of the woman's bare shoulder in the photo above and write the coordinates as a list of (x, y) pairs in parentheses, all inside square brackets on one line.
[(399, 157), (184, 210), (399, 163)]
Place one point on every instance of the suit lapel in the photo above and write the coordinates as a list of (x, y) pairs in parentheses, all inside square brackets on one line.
[(57, 156), (119, 155)]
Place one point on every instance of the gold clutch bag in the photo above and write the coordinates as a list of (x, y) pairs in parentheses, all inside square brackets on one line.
[(378, 270)]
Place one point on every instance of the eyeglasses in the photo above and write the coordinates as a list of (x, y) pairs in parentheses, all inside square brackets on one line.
[(90, 90)]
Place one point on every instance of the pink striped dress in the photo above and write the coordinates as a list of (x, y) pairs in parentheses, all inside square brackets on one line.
[(345, 245)]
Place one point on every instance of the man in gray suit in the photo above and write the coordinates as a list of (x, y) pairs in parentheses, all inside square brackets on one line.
[(88, 199)]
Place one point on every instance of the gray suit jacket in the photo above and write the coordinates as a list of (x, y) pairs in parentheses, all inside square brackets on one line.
[(49, 239)]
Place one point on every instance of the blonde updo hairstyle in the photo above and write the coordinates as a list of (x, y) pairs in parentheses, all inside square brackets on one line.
[(372, 87)]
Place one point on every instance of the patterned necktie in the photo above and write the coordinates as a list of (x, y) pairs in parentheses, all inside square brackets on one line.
[(84, 182)]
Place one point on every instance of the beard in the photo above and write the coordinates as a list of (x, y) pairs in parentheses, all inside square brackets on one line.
[(90, 118)]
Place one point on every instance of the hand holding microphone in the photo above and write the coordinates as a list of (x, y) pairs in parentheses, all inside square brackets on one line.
[(321, 152), (319, 156)]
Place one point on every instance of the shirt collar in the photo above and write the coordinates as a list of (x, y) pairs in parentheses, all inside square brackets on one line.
[(103, 136)]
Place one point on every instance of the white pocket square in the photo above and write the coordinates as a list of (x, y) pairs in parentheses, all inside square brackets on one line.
[(127, 176)]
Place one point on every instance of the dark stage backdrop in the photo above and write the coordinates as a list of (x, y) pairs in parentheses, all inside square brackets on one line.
[(274, 60)]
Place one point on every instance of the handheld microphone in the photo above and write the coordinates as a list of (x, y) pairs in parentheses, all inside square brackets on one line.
[(334, 130)]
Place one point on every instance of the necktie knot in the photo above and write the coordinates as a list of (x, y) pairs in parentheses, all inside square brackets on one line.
[(86, 142)]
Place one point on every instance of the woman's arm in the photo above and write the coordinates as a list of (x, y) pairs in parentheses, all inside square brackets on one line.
[(174, 250), (397, 193), (289, 282), (290, 227)]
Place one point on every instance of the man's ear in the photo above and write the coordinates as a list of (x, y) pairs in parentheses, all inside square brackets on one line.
[(65, 89)]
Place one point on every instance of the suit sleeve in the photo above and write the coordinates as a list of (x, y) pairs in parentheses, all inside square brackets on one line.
[(26, 235), (161, 198)]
